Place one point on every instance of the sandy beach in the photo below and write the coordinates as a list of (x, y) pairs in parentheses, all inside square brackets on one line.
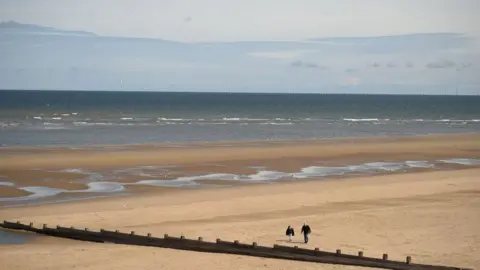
[(427, 213)]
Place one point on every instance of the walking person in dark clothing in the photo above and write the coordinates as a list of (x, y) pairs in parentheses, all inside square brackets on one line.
[(290, 232), (306, 231)]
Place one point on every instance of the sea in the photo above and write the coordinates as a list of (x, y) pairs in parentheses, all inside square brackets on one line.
[(76, 118)]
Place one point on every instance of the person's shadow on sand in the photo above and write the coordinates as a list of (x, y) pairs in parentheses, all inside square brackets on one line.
[(293, 242)]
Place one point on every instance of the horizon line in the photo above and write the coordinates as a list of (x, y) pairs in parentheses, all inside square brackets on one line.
[(226, 92)]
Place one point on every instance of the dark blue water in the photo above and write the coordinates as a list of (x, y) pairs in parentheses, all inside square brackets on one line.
[(84, 118)]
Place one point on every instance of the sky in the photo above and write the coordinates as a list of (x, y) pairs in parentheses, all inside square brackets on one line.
[(228, 20), (370, 46)]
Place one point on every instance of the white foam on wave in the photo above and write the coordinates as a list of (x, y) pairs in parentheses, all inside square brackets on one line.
[(54, 127), (361, 119), (37, 193), (266, 176), (188, 180), (419, 164), (462, 161), (277, 123), (42, 192), (8, 184), (38, 117), (103, 187), (166, 183), (385, 166), (457, 120), (192, 180), (56, 118), (126, 118), (82, 123), (231, 119), (9, 125), (75, 171), (212, 123), (372, 167), (243, 119), (173, 119), (213, 176), (445, 120), (319, 171)]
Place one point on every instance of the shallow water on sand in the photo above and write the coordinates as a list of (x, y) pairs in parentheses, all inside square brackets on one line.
[(110, 184), (8, 237)]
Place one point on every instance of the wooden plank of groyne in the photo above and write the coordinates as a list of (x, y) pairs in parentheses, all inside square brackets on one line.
[(15, 225), (75, 234), (318, 253), (19, 226), (133, 239), (235, 243)]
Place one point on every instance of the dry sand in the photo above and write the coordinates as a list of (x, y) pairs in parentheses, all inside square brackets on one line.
[(432, 216)]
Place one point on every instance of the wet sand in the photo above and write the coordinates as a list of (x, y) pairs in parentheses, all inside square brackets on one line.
[(424, 147), (72, 169), (8, 191)]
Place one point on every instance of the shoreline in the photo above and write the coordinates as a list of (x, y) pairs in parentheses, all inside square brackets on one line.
[(9, 159), (169, 144)]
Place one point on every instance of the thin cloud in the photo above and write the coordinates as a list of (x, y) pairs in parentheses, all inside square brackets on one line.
[(297, 63), (464, 66), (311, 65), (352, 70), (302, 64), (391, 65), (285, 54), (441, 64)]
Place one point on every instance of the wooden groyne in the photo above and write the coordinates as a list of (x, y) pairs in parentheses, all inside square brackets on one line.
[(220, 246)]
